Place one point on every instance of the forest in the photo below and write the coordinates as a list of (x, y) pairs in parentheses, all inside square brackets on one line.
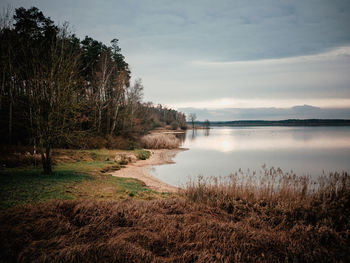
[(60, 91)]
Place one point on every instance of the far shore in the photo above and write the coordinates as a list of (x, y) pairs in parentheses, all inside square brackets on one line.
[(141, 169)]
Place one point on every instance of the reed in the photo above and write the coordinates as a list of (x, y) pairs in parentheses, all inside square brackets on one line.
[(160, 141), (271, 187)]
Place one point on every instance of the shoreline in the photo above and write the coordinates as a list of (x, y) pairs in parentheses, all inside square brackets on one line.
[(141, 169)]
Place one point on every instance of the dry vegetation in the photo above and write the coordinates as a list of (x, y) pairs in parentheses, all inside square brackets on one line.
[(219, 220), (271, 187), (160, 141)]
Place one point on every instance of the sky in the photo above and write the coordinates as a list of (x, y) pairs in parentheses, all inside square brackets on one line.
[(225, 56)]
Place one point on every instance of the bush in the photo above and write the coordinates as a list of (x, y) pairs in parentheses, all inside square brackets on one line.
[(143, 154), (174, 125), (156, 124)]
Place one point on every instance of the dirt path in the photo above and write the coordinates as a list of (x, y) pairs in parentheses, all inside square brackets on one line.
[(141, 169)]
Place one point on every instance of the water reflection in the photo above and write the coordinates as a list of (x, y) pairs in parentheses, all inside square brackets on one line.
[(266, 138), (181, 136), (221, 151), (193, 135)]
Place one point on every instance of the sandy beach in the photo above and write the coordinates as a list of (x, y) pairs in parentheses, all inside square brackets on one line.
[(141, 169)]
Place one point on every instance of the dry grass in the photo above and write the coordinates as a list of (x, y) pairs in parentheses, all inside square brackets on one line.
[(270, 187), (160, 141), (220, 221), (267, 217)]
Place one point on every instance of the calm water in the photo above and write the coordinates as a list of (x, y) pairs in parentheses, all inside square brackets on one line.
[(222, 150)]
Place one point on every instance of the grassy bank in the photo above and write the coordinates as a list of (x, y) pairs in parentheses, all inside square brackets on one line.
[(77, 174), (216, 220)]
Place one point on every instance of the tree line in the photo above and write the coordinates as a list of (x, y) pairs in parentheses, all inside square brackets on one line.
[(56, 88)]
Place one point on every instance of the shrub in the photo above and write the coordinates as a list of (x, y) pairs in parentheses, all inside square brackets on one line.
[(143, 154), (174, 125), (156, 124), (120, 142)]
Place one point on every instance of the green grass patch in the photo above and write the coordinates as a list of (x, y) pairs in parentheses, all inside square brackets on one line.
[(20, 186), (109, 187), (77, 174)]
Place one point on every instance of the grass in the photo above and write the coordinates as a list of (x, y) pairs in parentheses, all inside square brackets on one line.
[(171, 230), (279, 216), (160, 141), (271, 187), (77, 174), (20, 186)]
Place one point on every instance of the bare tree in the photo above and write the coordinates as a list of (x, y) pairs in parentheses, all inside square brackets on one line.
[(134, 96), (103, 77), (52, 102), (118, 97), (206, 124), (192, 117)]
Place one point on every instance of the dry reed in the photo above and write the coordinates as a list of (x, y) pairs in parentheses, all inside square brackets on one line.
[(160, 141), (269, 186)]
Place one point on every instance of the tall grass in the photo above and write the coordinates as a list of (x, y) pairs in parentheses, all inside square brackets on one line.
[(160, 141), (270, 186), (310, 217)]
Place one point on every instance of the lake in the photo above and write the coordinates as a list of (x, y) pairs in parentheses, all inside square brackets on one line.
[(223, 150)]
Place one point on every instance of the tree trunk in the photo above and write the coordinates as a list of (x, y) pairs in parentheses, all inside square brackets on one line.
[(46, 160), (108, 121), (99, 120), (11, 113), (10, 122), (114, 120)]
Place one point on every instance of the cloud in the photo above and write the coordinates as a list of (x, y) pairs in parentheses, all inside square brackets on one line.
[(204, 51), (322, 79), (331, 55)]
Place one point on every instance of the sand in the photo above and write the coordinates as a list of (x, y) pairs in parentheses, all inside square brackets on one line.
[(141, 169)]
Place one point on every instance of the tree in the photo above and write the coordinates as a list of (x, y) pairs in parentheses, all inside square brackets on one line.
[(207, 124), (134, 96), (192, 117), (118, 97), (48, 75)]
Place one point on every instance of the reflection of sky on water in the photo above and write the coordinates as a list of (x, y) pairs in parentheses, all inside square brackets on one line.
[(270, 138), (221, 151)]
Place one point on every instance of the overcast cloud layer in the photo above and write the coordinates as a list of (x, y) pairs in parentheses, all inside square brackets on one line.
[(223, 54)]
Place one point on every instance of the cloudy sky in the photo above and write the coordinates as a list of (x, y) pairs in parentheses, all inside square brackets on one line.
[(224, 54)]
